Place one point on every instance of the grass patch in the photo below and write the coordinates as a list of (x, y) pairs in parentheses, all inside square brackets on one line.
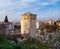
[(5, 44), (28, 43)]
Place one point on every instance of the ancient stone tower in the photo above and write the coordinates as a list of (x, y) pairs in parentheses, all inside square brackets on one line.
[(28, 24)]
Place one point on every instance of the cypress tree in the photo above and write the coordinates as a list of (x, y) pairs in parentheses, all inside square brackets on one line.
[(6, 19)]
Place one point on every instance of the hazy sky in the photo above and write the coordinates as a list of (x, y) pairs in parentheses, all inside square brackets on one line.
[(43, 8)]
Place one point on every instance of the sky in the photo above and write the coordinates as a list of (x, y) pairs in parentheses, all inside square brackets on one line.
[(45, 9)]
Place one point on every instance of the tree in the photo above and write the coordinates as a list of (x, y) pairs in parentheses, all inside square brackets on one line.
[(6, 19), (58, 20)]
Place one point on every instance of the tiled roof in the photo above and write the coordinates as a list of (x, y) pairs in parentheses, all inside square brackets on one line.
[(4, 22)]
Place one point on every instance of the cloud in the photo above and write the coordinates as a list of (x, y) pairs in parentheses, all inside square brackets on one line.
[(2, 12), (24, 3), (16, 7), (48, 2)]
